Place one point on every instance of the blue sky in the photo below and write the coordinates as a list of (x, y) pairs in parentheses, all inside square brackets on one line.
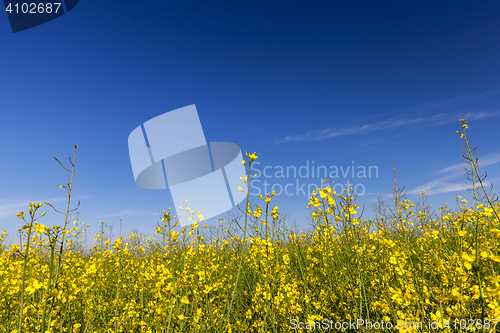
[(378, 83)]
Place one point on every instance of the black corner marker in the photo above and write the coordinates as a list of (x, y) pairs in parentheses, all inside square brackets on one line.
[(25, 14), (70, 4)]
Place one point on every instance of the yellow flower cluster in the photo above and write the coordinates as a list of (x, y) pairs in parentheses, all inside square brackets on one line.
[(407, 265), (418, 270)]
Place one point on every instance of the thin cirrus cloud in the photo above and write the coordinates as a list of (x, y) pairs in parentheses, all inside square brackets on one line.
[(443, 104), (129, 212), (488, 159), (440, 185), (11, 209), (444, 185), (442, 118), (436, 120)]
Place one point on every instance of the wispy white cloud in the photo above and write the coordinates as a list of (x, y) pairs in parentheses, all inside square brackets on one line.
[(129, 212), (331, 132), (452, 102), (445, 183), (446, 116), (11, 209), (398, 121), (440, 186), (488, 159), (376, 193)]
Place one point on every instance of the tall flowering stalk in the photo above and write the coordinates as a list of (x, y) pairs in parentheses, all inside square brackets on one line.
[(28, 226), (56, 275), (246, 180), (472, 160)]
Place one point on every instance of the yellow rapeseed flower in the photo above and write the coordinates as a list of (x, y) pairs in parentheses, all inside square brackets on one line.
[(252, 157)]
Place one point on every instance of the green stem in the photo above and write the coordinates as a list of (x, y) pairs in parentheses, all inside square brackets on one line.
[(242, 245)]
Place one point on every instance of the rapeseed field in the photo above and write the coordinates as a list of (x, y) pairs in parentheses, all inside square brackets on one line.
[(406, 270)]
